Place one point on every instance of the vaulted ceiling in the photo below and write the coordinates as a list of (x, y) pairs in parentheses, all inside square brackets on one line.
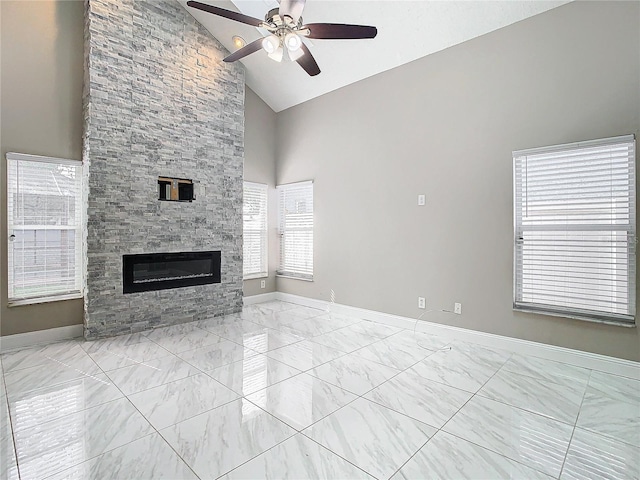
[(407, 30)]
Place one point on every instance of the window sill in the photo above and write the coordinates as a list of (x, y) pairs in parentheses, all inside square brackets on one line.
[(33, 301), (256, 276), (281, 275), (576, 316)]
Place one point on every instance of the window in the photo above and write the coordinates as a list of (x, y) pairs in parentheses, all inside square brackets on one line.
[(296, 230), (255, 230), (575, 226), (45, 222)]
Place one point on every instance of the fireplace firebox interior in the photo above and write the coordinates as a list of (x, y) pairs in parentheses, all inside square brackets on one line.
[(160, 271)]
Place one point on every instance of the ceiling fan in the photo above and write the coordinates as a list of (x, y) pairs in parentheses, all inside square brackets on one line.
[(286, 31)]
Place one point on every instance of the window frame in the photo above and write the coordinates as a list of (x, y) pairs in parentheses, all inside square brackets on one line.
[(597, 316), (79, 230), (280, 271), (264, 273)]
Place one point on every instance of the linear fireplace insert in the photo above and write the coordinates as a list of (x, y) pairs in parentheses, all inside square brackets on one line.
[(159, 271)]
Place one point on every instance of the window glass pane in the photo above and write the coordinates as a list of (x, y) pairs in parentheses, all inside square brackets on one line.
[(296, 230), (575, 229), (255, 230), (45, 224)]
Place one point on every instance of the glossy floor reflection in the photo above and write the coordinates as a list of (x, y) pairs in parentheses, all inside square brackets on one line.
[(282, 391)]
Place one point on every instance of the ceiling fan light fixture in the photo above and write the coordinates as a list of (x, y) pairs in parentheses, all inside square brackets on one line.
[(238, 41), (271, 44), (277, 55), (292, 41)]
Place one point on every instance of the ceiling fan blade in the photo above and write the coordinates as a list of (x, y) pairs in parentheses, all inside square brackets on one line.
[(338, 31), (231, 15), (248, 49), (292, 8), (307, 62)]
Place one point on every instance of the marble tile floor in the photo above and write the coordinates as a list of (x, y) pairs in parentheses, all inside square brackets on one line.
[(282, 391)]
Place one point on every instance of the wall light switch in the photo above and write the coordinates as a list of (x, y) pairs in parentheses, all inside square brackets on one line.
[(263, 284), (421, 200)]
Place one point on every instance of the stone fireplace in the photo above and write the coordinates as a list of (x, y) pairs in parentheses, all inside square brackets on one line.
[(159, 102)]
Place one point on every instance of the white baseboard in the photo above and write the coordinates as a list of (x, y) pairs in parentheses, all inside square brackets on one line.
[(263, 297), (593, 361), (29, 339)]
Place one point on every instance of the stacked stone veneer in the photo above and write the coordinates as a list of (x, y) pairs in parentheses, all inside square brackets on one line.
[(158, 101)]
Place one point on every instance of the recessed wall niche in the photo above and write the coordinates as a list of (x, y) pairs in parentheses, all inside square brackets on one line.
[(175, 189)]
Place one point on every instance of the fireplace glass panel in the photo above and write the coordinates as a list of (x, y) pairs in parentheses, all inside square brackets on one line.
[(160, 271)]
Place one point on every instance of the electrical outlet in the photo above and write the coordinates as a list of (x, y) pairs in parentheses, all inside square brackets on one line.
[(263, 283), (421, 200), (421, 303), (457, 308)]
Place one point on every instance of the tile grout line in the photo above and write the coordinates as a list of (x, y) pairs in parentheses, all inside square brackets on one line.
[(574, 425), (441, 429), (205, 372), (584, 394), (366, 399), (176, 356), (362, 396), (338, 357), (548, 417), (10, 420), (297, 432), (241, 396), (337, 386), (337, 455), (552, 380), (13, 432), (146, 420), (300, 432), (79, 411), (403, 371), (516, 406), (352, 352), (170, 353), (244, 397), (124, 396), (508, 405), (58, 472), (513, 406), (358, 396), (106, 374)]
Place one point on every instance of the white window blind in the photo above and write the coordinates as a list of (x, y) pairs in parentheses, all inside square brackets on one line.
[(255, 230), (45, 223), (296, 230), (575, 230)]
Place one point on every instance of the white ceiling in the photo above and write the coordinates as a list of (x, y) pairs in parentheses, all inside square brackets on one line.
[(407, 30)]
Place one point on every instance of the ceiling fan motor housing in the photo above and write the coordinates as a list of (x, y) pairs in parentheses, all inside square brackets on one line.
[(281, 25)]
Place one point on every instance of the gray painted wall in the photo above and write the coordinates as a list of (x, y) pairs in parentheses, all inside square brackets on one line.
[(159, 102), (260, 167), (41, 96), (445, 126)]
